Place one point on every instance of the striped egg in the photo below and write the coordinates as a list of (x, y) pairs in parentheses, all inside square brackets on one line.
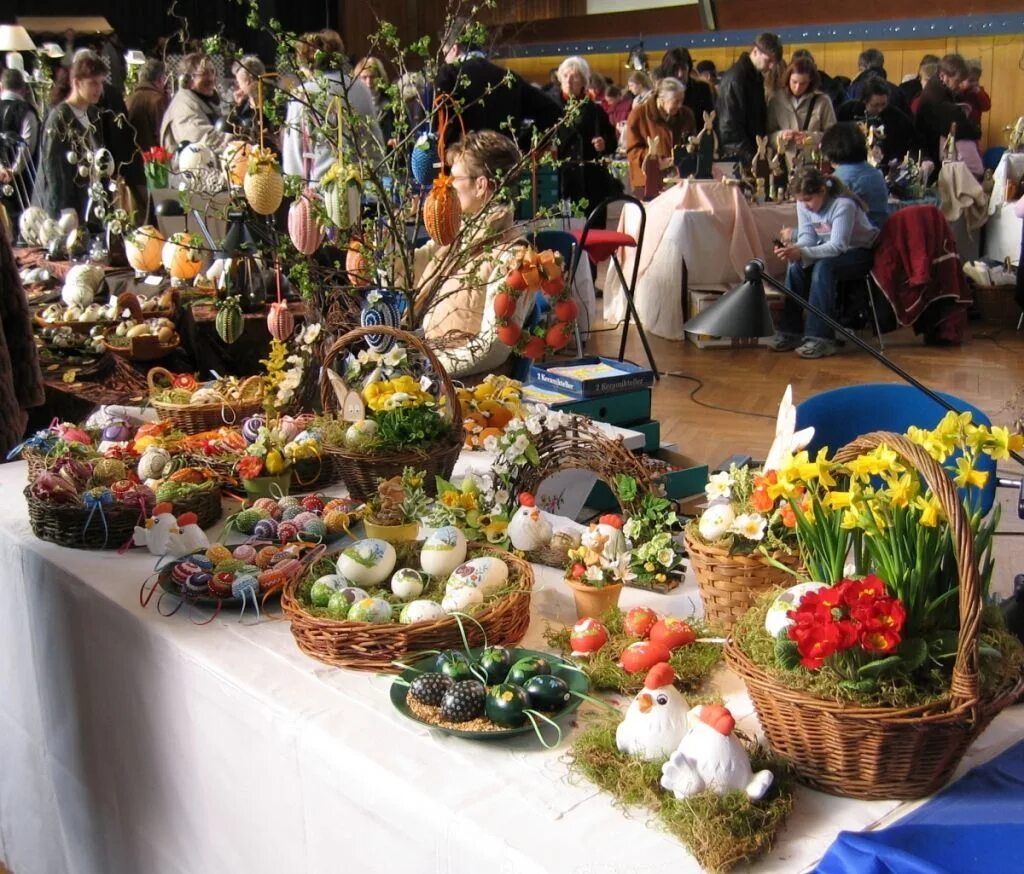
[(198, 583), (266, 555), (245, 553), (265, 529)]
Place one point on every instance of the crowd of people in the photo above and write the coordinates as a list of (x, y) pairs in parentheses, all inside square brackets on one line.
[(591, 119)]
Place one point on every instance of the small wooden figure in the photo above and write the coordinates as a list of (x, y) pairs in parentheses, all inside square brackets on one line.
[(759, 167), (707, 146)]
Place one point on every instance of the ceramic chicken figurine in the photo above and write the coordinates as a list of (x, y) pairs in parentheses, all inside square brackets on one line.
[(711, 757), (187, 537), (528, 529), (156, 533), (788, 440), (655, 722)]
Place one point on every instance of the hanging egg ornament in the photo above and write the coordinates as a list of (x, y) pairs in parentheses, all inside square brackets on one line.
[(229, 320), (303, 229), (143, 248), (380, 309), (424, 158), (280, 321), (442, 211), (264, 184), (236, 160), (182, 255), (356, 265), (341, 188)]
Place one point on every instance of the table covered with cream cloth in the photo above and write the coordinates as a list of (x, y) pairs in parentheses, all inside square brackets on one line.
[(132, 742), (711, 227)]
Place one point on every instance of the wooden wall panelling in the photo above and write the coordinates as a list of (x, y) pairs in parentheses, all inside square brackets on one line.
[(1006, 84)]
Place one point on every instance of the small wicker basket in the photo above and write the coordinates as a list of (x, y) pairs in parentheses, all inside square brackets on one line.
[(360, 471), (205, 503), (730, 584), (886, 752), (76, 527), (196, 418), (368, 647)]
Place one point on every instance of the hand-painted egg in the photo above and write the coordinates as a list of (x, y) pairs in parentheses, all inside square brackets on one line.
[(421, 611), (117, 432), (353, 593), (153, 462), (375, 610), (338, 606), (359, 434), (486, 574), (443, 551), (324, 587), (639, 621), (642, 655), (673, 632), (775, 619), (587, 636), (367, 562), (407, 583), (716, 521), (462, 600)]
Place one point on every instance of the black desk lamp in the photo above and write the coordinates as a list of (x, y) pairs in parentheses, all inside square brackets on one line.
[(743, 312)]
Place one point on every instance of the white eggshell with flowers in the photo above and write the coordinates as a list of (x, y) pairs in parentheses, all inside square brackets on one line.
[(486, 575), (443, 551), (367, 562)]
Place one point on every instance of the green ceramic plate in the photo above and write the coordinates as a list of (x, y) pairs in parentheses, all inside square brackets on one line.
[(576, 680)]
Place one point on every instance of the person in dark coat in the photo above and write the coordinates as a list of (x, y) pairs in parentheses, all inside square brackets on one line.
[(488, 95), (678, 64), (938, 110), (913, 87), (19, 144), (871, 65), (73, 126), (148, 103), (585, 136), (742, 108), (874, 109)]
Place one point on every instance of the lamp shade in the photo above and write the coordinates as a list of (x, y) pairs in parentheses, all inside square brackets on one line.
[(742, 312), (14, 38)]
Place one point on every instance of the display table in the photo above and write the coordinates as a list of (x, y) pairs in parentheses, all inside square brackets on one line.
[(707, 226), (132, 742)]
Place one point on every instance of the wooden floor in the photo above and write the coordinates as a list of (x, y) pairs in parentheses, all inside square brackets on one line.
[(988, 371)]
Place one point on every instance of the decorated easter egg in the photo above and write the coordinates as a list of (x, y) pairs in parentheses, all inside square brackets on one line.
[(289, 513), (198, 583), (587, 636), (202, 561), (265, 556), (303, 517), (314, 529), (673, 632), (324, 587), (375, 610), (462, 600), (153, 462), (407, 583), (245, 553), (265, 529), (268, 505), (287, 531), (336, 521), (338, 606), (421, 611), (716, 521), (359, 434), (638, 621), (117, 432), (367, 562), (289, 501), (775, 619), (218, 552), (353, 593), (443, 551), (313, 503), (643, 655), (485, 574)]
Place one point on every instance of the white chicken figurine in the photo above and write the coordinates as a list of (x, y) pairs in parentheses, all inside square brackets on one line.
[(529, 530), (788, 441), (711, 757), (155, 533), (187, 537), (656, 720)]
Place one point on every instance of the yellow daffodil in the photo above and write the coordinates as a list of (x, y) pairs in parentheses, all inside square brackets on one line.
[(902, 489), (928, 441), (931, 510), (839, 500), (1000, 443), (952, 429), (850, 520), (967, 475), (819, 469)]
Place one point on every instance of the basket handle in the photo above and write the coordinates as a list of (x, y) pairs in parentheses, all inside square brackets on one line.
[(252, 382), (964, 689), (327, 398), (158, 373), (126, 300)]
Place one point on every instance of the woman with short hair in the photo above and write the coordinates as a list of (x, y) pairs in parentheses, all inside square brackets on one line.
[(663, 116), (194, 112), (798, 113)]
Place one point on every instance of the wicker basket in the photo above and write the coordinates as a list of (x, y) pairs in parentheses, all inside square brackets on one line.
[(730, 584), (73, 526), (360, 471), (205, 503), (886, 752), (196, 418), (368, 647), (315, 475)]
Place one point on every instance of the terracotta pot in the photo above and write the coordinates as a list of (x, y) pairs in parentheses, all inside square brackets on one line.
[(592, 601), (392, 533)]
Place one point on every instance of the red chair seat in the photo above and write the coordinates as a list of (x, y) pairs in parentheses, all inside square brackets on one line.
[(602, 244)]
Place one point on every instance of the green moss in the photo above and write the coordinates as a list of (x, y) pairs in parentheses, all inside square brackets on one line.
[(692, 664), (720, 831)]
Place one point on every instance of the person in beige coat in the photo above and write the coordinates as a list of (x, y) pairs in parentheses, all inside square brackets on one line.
[(456, 285), (194, 111), (798, 113)]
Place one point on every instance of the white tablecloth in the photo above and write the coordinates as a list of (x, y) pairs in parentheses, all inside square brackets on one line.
[(130, 743), (1002, 234), (708, 225)]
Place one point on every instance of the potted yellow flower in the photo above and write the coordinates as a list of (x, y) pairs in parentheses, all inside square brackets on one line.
[(394, 513)]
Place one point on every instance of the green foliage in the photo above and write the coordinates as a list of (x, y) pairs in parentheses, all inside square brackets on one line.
[(408, 427)]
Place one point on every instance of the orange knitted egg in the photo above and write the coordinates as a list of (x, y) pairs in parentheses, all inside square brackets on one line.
[(442, 212)]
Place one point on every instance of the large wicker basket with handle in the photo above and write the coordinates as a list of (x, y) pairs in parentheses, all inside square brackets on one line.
[(367, 646), (886, 752), (360, 471), (196, 418)]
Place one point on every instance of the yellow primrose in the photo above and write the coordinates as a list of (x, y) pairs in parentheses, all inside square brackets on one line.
[(967, 475), (451, 499), (493, 528)]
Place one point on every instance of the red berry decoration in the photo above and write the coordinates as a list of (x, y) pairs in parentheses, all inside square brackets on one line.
[(515, 280), (534, 348), (639, 621), (552, 287), (557, 337), (509, 334), (673, 632), (566, 310), (504, 305)]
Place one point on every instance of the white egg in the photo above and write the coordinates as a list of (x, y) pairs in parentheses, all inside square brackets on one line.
[(352, 593), (716, 521), (443, 551), (367, 562), (462, 600), (359, 434), (407, 583), (776, 619), (335, 581), (421, 611), (484, 574)]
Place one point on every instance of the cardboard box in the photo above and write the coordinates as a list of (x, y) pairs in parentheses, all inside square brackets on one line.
[(689, 480), (571, 378), (697, 302)]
